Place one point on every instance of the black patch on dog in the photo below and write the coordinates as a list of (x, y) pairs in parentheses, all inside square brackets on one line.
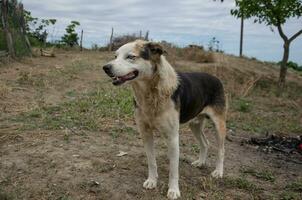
[(145, 53), (195, 92), (155, 48), (151, 48)]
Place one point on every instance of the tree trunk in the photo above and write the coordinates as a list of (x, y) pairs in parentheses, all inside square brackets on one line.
[(241, 36), (283, 67)]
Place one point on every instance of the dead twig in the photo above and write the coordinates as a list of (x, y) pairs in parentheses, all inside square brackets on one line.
[(249, 85)]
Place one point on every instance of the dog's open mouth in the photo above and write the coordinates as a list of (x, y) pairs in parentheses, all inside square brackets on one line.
[(118, 80)]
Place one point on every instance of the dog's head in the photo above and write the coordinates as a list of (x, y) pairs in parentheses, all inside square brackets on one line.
[(134, 61)]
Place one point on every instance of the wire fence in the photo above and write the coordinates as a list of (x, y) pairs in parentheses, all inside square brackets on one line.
[(13, 38)]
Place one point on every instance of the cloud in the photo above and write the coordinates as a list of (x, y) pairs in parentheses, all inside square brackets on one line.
[(179, 21)]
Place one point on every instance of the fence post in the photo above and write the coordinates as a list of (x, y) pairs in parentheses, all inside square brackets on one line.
[(5, 24), (147, 36), (81, 42), (111, 40)]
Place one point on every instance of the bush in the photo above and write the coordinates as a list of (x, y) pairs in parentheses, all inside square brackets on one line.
[(119, 41), (292, 65)]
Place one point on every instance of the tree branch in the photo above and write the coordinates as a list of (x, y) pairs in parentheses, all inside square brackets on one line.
[(295, 35), (281, 33)]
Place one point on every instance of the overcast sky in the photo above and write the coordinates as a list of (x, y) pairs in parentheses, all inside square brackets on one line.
[(179, 21)]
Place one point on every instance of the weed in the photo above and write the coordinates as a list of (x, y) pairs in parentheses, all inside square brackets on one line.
[(240, 183), (243, 105), (288, 195), (295, 186), (71, 93), (117, 131), (66, 138), (195, 148), (4, 90), (263, 175)]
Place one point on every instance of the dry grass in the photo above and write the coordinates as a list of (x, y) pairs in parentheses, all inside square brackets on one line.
[(189, 53), (4, 90)]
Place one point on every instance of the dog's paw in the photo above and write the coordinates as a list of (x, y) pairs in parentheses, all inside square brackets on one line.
[(173, 193), (198, 163), (217, 173), (150, 183)]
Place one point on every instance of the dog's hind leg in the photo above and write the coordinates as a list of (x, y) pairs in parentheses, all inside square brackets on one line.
[(197, 126), (218, 116)]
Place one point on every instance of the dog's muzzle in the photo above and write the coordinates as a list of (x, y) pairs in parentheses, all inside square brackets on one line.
[(108, 70), (119, 80)]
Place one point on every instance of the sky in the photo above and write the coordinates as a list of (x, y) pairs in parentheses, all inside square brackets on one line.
[(181, 22)]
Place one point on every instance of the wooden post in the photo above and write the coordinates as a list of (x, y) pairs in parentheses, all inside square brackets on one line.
[(147, 36), (23, 29), (81, 42), (241, 36), (111, 40), (5, 24)]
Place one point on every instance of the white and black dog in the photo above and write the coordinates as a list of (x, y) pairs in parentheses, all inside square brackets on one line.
[(164, 99)]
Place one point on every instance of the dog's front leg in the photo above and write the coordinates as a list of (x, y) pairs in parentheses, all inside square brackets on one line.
[(169, 124), (173, 154), (148, 140), (147, 136)]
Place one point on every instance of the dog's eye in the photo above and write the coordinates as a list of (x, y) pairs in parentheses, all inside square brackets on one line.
[(131, 57), (115, 56)]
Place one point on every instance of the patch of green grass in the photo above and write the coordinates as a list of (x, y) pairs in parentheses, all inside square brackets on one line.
[(71, 93), (295, 186), (288, 195), (242, 105), (85, 112), (263, 174), (240, 183), (195, 148)]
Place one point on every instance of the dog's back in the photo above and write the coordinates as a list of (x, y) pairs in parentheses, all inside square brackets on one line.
[(197, 91)]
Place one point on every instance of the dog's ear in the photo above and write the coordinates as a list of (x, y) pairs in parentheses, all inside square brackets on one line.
[(152, 50), (155, 48)]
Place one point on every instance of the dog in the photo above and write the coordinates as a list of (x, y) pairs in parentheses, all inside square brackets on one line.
[(163, 100)]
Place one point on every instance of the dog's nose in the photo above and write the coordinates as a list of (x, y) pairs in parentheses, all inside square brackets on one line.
[(107, 68)]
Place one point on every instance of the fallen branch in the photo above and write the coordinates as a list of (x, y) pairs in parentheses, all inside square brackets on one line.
[(47, 53), (3, 54)]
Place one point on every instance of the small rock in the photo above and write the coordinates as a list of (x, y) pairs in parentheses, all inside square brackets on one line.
[(121, 153)]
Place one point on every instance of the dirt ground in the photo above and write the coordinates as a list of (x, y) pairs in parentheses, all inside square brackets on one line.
[(53, 145)]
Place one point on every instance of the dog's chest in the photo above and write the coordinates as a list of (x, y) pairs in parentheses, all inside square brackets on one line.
[(151, 107)]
